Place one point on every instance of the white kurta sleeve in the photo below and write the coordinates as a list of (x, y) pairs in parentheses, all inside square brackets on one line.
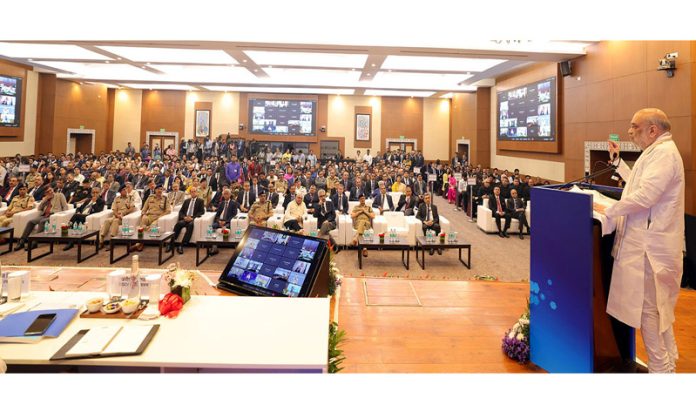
[(654, 181)]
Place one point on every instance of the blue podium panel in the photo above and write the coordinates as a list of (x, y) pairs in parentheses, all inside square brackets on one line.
[(561, 285)]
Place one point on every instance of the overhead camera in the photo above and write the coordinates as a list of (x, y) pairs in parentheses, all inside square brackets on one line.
[(668, 64)]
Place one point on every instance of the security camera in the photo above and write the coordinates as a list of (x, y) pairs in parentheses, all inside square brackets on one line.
[(668, 64)]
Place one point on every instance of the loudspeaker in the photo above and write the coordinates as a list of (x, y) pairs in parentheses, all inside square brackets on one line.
[(566, 69), (323, 129)]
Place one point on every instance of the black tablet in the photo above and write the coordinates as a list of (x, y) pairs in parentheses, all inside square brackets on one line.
[(271, 262)]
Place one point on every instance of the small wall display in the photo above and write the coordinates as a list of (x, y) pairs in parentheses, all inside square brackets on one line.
[(362, 127), (202, 123)]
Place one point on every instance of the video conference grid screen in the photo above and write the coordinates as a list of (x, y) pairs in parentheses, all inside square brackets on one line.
[(528, 113), (283, 117), (10, 101), (274, 263)]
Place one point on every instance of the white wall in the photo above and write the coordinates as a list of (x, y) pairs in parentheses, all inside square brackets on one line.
[(341, 121), (436, 126), (26, 147), (127, 118), (542, 168), (225, 113)]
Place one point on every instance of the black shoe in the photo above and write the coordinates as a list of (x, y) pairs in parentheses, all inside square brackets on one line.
[(68, 246), (180, 249), (439, 251), (505, 234), (521, 236), (432, 251), (501, 234), (213, 250), (19, 247)]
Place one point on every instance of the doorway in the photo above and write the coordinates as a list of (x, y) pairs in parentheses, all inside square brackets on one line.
[(463, 146), (405, 144), (162, 139), (80, 140)]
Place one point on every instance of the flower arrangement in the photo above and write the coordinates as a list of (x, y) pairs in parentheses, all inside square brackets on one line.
[(442, 237), (180, 281), (335, 278), (140, 232), (64, 229), (381, 237), (225, 233), (516, 340)]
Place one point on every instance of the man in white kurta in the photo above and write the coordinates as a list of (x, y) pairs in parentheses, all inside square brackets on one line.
[(649, 237)]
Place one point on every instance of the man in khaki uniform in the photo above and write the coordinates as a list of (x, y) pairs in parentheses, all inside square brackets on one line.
[(176, 196), (362, 216), (155, 207), (121, 207), (20, 203), (260, 211), (281, 185)]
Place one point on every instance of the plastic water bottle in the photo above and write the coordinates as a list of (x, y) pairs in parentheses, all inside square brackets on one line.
[(134, 279), (210, 231), (46, 228), (53, 228)]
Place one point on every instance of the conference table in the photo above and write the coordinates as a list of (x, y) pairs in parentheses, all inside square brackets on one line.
[(211, 334)]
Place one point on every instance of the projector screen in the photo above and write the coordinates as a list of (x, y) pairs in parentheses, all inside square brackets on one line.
[(282, 117), (10, 101), (528, 113)]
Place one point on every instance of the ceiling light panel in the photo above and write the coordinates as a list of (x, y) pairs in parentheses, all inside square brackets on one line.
[(333, 60), (399, 93), (99, 71), (48, 51), (171, 55), (284, 90), (311, 77), (428, 81), (440, 63), (159, 86), (206, 74)]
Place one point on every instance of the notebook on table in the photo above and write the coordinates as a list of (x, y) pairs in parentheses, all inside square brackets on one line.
[(107, 341)]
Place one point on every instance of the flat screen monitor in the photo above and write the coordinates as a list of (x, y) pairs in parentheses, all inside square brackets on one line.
[(528, 113), (10, 100), (283, 117), (270, 262)]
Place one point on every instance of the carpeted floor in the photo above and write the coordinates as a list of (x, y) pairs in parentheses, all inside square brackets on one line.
[(505, 259)]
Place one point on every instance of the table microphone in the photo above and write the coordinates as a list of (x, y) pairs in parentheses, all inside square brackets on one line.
[(615, 176)]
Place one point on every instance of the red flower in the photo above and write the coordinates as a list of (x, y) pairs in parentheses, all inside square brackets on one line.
[(170, 305), (381, 235)]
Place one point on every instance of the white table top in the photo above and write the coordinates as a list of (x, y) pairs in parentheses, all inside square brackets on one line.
[(221, 332)]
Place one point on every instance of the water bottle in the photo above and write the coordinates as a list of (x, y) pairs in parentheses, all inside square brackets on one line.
[(134, 279), (210, 231), (53, 228), (46, 228)]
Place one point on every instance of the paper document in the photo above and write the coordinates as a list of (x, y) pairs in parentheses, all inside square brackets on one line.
[(94, 341), (128, 340)]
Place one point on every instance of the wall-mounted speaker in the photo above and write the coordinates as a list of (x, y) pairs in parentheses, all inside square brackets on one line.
[(566, 69), (322, 129)]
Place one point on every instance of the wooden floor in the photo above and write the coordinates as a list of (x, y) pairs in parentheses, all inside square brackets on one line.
[(451, 327), (396, 325)]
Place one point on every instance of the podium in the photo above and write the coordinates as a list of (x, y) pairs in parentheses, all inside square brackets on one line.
[(570, 274)]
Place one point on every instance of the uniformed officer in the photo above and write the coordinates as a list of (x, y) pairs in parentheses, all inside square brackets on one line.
[(260, 211), (362, 216), (122, 206), (155, 207), (19, 203)]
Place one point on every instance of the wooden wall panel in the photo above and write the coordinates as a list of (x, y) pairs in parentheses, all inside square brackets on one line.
[(12, 69), (45, 113), (80, 105), (111, 107), (162, 109), (402, 116), (463, 117)]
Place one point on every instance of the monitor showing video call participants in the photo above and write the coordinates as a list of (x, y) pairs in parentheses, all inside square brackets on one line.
[(528, 113), (10, 101), (270, 262), (282, 117)]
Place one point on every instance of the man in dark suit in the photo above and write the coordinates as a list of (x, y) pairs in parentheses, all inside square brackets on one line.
[(347, 185), (245, 198), (149, 191), (190, 210), (407, 202), (383, 201), (289, 196), (37, 189), (94, 205), (325, 213), (419, 187), (10, 191), (427, 213), (225, 213), (311, 199), (70, 186), (516, 207), (357, 189), (256, 187), (339, 199), (371, 186), (497, 206)]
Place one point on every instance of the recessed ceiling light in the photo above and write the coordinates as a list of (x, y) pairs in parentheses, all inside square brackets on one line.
[(148, 63), (289, 58), (106, 62), (119, 58), (48, 51), (440, 63), (368, 74), (164, 55), (373, 65), (256, 70), (244, 60)]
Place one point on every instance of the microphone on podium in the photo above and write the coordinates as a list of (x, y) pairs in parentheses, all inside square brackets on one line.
[(615, 176)]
